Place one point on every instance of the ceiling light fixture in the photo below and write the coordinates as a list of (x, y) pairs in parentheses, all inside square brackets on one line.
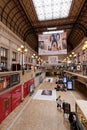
[(84, 46), (54, 28), (50, 32)]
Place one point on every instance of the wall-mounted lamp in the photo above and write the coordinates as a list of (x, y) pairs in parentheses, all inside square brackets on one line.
[(22, 50), (73, 53), (70, 55), (84, 46)]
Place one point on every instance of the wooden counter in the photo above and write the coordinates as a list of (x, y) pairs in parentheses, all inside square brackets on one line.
[(81, 109), (82, 104)]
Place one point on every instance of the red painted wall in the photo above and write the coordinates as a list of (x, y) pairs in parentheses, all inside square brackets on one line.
[(5, 105), (31, 81), (16, 97), (11, 99), (26, 89)]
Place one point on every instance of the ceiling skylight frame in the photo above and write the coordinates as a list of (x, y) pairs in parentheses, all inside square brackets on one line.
[(52, 9)]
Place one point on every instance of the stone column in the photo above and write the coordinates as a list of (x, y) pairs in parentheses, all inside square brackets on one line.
[(0, 49), (9, 62)]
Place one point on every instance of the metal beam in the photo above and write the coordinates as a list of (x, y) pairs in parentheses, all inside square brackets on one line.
[(60, 25)]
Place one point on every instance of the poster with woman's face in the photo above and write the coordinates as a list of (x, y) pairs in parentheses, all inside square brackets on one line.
[(50, 44)]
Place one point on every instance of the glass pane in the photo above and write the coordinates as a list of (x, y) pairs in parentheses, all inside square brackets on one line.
[(5, 52), (1, 51), (14, 55), (52, 9)]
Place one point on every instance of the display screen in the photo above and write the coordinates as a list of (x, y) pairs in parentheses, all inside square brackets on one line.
[(55, 43), (9, 81), (69, 85), (64, 79), (14, 79), (4, 82)]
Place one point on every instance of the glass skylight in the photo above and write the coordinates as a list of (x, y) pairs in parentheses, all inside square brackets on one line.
[(52, 9)]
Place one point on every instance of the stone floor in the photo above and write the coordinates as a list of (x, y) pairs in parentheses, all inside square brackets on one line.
[(41, 114)]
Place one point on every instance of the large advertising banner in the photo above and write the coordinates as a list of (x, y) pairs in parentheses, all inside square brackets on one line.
[(52, 44), (52, 60)]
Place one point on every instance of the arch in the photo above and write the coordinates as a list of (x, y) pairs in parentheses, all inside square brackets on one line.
[(80, 26), (23, 29), (76, 26), (20, 24), (4, 9), (17, 20), (27, 33), (15, 15), (10, 12)]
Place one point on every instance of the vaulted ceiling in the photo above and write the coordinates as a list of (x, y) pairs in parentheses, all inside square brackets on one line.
[(21, 18)]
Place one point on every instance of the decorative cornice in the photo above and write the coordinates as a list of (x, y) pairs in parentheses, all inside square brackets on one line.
[(7, 33)]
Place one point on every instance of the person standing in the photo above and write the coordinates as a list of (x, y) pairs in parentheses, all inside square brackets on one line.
[(59, 102)]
